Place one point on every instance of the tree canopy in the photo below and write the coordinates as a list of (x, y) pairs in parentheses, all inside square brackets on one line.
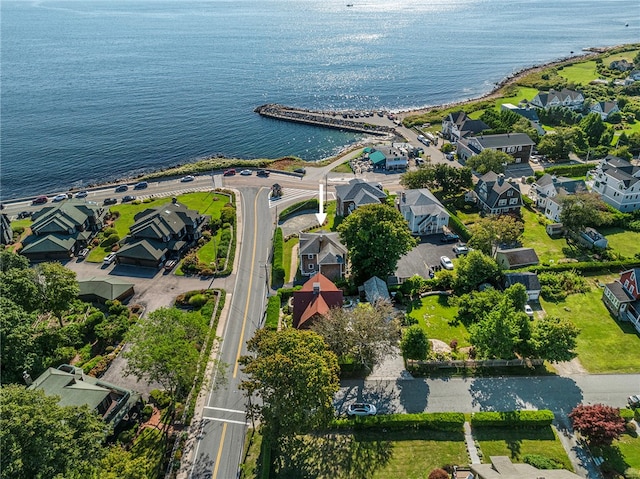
[(364, 334), (488, 233), (376, 236), (295, 376), (599, 423), (474, 269), (438, 177), (489, 160), (582, 209), (165, 348), (554, 339), (414, 344), (58, 287), (41, 440)]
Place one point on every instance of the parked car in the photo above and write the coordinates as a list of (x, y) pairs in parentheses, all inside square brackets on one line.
[(127, 198), (82, 194), (446, 262), (83, 253), (109, 201), (450, 156), (263, 173), (528, 310), (229, 172), (24, 214), (449, 238), (121, 188), (141, 185), (60, 197), (110, 258), (460, 249), (634, 401), (300, 170), (361, 409), (170, 264), (186, 179), (40, 200), (246, 172)]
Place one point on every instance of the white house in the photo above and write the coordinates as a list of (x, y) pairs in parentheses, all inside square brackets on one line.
[(458, 125), (618, 183), (548, 190), (424, 213), (605, 108), (565, 98)]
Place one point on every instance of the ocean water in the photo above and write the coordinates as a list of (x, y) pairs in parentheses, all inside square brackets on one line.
[(97, 90)]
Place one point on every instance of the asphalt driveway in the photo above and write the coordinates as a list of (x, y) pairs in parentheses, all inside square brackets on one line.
[(424, 256)]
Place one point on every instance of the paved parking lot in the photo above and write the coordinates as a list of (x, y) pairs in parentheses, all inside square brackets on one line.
[(425, 255)]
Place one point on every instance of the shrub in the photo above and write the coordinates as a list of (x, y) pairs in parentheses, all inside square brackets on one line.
[(447, 421), (631, 473), (147, 412), (540, 462), (197, 300), (462, 230), (159, 398), (273, 312), (513, 419), (438, 474), (125, 437), (110, 240), (109, 231), (626, 414)]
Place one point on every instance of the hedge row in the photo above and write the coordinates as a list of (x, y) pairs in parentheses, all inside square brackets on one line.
[(443, 421), (513, 419), (311, 204), (462, 230), (627, 414), (277, 267), (579, 169), (587, 266), (273, 312)]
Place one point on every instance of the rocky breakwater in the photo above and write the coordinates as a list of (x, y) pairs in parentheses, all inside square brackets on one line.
[(319, 118)]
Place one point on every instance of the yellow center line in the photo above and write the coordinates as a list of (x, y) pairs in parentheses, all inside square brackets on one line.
[(215, 469), (248, 299)]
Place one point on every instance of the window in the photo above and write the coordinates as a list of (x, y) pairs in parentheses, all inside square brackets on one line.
[(631, 289), (310, 256), (311, 267), (519, 148), (510, 193), (502, 202), (513, 201)]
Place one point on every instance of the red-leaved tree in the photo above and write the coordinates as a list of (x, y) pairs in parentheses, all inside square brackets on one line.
[(599, 423), (438, 474)]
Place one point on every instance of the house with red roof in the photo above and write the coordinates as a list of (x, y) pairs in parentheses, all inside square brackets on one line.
[(622, 297), (314, 300)]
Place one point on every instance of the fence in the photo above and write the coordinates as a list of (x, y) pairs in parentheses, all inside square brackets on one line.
[(473, 364)]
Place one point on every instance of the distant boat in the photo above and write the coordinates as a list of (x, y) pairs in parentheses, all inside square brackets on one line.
[(626, 24), (349, 4)]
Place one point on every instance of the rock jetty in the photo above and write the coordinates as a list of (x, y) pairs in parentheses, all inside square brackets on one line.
[(326, 119)]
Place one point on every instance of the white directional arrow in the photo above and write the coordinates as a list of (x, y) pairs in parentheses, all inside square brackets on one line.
[(321, 215)]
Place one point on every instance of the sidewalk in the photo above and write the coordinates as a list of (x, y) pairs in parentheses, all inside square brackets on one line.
[(579, 455)]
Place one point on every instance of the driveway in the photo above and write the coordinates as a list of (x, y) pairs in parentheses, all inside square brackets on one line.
[(424, 256)]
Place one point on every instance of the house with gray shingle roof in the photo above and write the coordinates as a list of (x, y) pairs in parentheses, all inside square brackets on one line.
[(159, 234), (424, 213), (58, 231), (529, 280), (357, 193), (564, 98), (322, 253), (107, 288), (617, 182), (496, 195), (548, 190), (517, 145), (604, 108), (458, 125), (516, 258), (622, 297)]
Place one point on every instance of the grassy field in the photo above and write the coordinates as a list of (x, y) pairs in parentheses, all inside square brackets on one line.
[(342, 168), (535, 236), (206, 203), (580, 73), (517, 443), (602, 338), (433, 314), (378, 455), (622, 241)]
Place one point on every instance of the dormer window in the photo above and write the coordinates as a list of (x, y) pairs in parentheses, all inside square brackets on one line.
[(510, 193)]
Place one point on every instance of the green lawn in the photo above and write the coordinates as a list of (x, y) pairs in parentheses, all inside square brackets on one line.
[(622, 241), (622, 454), (522, 93), (288, 252), (206, 203), (434, 315), (535, 236), (580, 73), (402, 454), (208, 252), (342, 168), (517, 443), (604, 345)]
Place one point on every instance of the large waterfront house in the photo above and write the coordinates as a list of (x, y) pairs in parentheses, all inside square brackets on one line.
[(322, 253), (73, 388), (496, 195), (314, 300), (458, 125), (548, 190), (517, 145), (566, 98), (357, 193), (622, 297), (159, 234), (61, 230), (604, 108), (617, 182), (423, 212)]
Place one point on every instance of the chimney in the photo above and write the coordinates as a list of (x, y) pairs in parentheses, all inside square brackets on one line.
[(316, 288), (27, 378), (500, 179), (404, 197)]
